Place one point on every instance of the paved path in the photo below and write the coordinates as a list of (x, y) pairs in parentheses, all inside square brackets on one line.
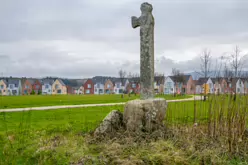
[(79, 106)]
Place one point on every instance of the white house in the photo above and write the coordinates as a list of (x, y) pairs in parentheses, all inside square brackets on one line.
[(240, 88), (14, 87), (119, 87), (99, 88), (169, 85), (47, 86)]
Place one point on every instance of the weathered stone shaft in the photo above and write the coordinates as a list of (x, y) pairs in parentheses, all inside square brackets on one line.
[(146, 24)]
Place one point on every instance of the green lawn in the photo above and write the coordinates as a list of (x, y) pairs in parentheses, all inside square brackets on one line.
[(55, 137), (84, 119), (51, 100)]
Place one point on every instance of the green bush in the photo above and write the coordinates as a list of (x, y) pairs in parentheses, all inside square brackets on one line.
[(33, 92)]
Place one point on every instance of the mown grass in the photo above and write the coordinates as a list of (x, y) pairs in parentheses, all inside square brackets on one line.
[(51, 100)]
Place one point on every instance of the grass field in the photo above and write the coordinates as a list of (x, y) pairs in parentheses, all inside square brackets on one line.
[(21, 133), (61, 137), (85, 119), (50, 100)]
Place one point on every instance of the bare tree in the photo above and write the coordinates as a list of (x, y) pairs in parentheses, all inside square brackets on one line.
[(219, 71), (205, 65), (122, 75), (237, 61), (227, 72)]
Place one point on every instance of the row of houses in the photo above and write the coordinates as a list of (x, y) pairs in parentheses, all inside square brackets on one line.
[(110, 85), (205, 85)]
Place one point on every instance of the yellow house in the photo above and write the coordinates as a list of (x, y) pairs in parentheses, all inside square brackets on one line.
[(3, 88), (59, 88), (205, 88)]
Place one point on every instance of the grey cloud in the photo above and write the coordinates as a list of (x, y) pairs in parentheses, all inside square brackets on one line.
[(31, 30)]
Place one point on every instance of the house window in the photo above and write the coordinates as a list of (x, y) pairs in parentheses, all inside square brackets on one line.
[(26, 86), (108, 86), (120, 90), (37, 86), (56, 86), (59, 91), (1, 86), (46, 86), (115, 90), (16, 85), (118, 85), (11, 86), (133, 85), (87, 91), (100, 91), (95, 90), (168, 84), (89, 85), (14, 92), (98, 85)]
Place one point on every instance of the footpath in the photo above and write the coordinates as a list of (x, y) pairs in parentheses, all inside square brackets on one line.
[(82, 105)]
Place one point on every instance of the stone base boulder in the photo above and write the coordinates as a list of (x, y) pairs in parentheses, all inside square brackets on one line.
[(110, 124), (144, 115)]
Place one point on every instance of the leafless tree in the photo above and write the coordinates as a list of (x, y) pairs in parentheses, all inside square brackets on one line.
[(205, 65), (237, 61), (227, 72), (122, 75)]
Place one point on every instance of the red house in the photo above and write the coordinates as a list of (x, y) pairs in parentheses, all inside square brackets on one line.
[(29, 85), (134, 85), (89, 87), (37, 86)]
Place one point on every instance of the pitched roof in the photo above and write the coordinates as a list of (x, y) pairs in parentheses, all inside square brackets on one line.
[(187, 77), (180, 78), (134, 79), (13, 81), (48, 81), (61, 81), (32, 81), (159, 79), (76, 83), (100, 79), (118, 80), (4, 81), (81, 81), (201, 81)]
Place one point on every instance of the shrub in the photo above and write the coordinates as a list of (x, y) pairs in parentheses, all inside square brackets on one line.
[(33, 92)]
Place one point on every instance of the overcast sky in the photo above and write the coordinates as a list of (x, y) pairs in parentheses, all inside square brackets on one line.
[(84, 38)]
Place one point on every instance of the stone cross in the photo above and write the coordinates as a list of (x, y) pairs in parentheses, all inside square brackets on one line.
[(146, 24)]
